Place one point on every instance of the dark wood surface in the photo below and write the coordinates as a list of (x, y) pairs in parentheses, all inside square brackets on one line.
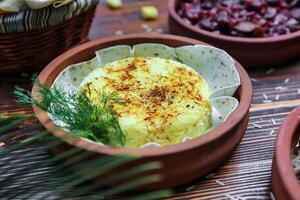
[(246, 175)]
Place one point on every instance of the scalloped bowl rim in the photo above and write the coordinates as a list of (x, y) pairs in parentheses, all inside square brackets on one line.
[(178, 19), (233, 120)]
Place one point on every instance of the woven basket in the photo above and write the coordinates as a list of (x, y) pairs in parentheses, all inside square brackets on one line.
[(31, 50)]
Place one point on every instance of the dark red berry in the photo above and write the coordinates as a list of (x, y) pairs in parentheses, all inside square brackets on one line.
[(243, 18)]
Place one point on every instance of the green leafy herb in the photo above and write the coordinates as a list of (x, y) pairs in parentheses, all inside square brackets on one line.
[(93, 120)]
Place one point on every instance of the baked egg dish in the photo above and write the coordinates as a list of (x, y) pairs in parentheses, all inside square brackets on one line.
[(158, 95), (164, 101)]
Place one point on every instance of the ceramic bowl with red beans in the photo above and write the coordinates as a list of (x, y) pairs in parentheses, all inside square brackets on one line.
[(258, 33)]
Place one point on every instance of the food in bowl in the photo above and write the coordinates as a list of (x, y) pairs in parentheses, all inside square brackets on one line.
[(213, 147), (285, 165), (247, 18), (295, 154), (157, 95)]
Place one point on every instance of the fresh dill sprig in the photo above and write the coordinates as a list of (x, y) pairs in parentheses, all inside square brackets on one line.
[(83, 117)]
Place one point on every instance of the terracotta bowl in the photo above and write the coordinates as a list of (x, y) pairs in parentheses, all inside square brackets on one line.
[(182, 162), (284, 181), (251, 52)]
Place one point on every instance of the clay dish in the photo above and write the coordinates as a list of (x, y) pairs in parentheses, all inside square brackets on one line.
[(181, 162), (250, 52), (285, 184)]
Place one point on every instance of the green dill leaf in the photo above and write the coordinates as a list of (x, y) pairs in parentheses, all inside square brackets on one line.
[(83, 117), (23, 97), (34, 77)]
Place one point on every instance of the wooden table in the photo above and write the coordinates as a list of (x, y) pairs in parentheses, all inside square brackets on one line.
[(247, 173)]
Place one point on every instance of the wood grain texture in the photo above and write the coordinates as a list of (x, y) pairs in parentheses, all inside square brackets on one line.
[(246, 175)]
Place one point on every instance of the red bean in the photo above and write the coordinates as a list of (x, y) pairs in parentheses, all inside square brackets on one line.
[(243, 18)]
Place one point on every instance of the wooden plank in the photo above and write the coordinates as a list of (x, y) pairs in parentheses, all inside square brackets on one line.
[(245, 175)]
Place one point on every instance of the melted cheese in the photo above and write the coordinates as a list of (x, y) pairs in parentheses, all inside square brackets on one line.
[(164, 100)]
